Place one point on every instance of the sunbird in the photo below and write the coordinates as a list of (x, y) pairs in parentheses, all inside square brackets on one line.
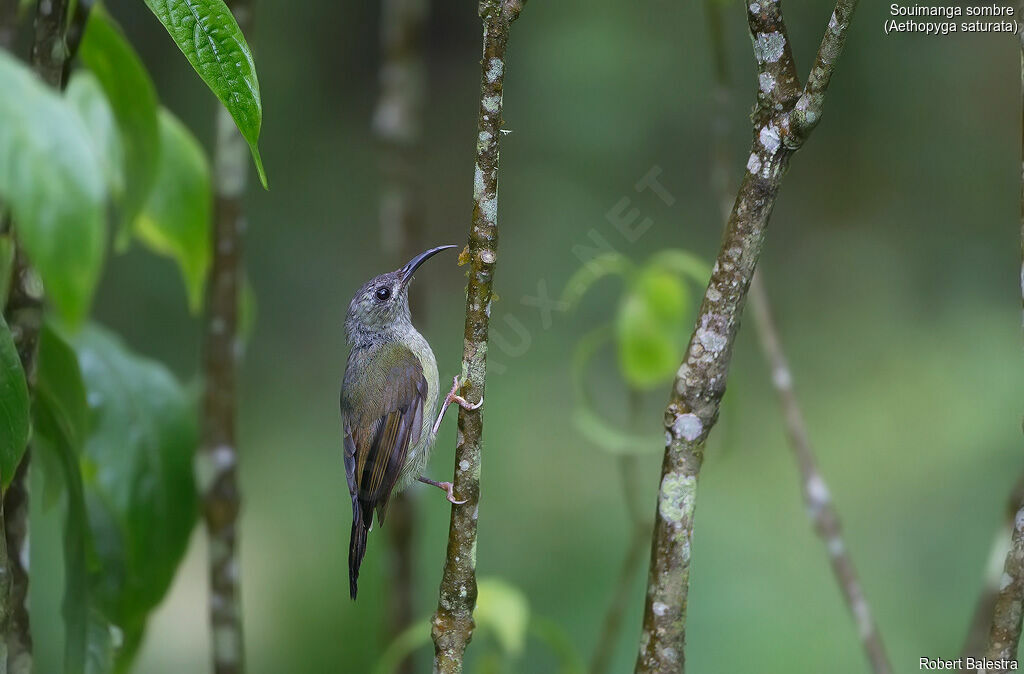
[(388, 398)]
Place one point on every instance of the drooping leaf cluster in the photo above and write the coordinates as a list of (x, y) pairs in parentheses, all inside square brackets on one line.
[(114, 432)]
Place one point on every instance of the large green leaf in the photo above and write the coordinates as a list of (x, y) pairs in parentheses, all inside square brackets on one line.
[(176, 219), (61, 417), (85, 93), (52, 180), (60, 388), (208, 35), (132, 96), (14, 406), (137, 466), (649, 328)]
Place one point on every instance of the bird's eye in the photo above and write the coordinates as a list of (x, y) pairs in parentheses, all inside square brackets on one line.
[(383, 293)]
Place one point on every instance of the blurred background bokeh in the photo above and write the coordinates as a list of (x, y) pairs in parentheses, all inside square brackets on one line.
[(892, 260)]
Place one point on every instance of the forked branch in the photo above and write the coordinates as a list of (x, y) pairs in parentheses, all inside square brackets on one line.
[(700, 382)]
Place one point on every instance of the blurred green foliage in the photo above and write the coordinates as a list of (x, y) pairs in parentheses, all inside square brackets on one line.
[(891, 258)]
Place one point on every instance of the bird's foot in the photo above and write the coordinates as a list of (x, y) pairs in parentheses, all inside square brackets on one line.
[(454, 397), (447, 487)]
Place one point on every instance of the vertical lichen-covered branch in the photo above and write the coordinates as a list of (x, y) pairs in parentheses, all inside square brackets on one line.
[(218, 457), (24, 314), (816, 494), (397, 123), (700, 382), (1008, 608), (452, 625)]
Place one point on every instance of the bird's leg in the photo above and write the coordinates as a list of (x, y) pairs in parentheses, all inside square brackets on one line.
[(454, 397), (446, 486)]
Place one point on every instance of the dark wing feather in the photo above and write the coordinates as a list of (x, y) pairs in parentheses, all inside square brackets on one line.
[(383, 421), (382, 413)]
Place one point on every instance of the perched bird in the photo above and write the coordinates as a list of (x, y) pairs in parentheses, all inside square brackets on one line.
[(388, 399)]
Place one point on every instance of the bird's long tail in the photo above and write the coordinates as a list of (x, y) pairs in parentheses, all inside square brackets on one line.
[(362, 518)]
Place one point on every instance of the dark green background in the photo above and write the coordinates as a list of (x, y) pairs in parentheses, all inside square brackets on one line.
[(892, 258)]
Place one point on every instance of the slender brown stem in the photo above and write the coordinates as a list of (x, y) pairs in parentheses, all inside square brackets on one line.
[(221, 348), (700, 383), (611, 627), (452, 625), (820, 507), (397, 122)]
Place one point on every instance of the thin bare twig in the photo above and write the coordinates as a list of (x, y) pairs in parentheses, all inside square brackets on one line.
[(815, 490), (221, 349), (700, 383), (820, 507), (452, 625), (397, 123)]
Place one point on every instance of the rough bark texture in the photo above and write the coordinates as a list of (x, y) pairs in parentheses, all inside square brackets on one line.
[(219, 450), (397, 123), (452, 625), (24, 314), (815, 491), (1008, 607), (700, 382), (977, 633), (817, 497)]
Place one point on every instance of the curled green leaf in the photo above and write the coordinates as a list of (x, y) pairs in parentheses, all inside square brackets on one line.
[(606, 264), (52, 180), (176, 218), (132, 97), (209, 37)]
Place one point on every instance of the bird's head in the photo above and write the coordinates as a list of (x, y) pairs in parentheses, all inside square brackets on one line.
[(380, 309)]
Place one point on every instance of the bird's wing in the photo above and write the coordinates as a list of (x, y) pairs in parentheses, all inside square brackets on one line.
[(383, 415)]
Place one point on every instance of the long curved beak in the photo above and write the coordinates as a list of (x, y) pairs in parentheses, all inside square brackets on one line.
[(409, 269)]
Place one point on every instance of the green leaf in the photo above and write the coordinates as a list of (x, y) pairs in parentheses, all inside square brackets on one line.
[(61, 391), (52, 179), (176, 219), (77, 597), (132, 96), (593, 271), (14, 406), (682, 262), (591, 424), (649, 329), (85, 94), (503, 609), (60, 388), (209, 37), (137, 464)]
